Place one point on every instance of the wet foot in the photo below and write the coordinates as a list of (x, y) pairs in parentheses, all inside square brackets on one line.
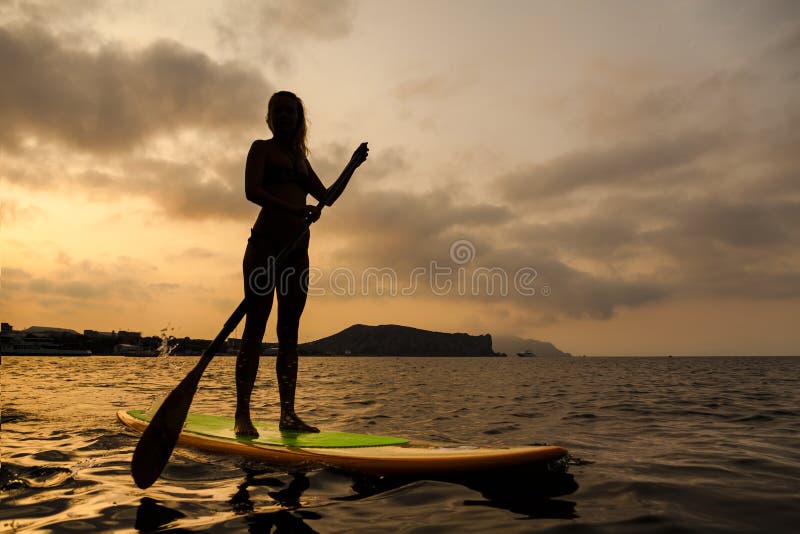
[(244, 428), (295, 424)]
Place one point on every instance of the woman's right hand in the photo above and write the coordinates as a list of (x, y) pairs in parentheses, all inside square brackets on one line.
[(310, 212), (360, 155)]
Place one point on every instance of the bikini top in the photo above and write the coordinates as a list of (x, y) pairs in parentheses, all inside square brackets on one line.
[(276, 174)]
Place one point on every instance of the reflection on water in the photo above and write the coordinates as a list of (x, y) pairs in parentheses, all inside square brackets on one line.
[(151, 516), (268, 502), (678, 444)]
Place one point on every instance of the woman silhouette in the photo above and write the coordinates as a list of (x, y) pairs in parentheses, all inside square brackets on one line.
[(278, 177)]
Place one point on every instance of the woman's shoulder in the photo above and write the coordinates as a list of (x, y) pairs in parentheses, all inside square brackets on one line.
[(260, 144), (258, 147)]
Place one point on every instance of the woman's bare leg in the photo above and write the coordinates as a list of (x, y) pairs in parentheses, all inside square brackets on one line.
[(246, 371), (249, 355), (291, 302)]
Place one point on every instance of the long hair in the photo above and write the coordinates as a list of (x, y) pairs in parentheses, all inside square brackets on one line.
[(299, 143)]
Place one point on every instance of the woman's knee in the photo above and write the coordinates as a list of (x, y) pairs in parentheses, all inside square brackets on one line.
[(287, 335)]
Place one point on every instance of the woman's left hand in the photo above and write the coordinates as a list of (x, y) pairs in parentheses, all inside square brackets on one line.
[(360, 155)]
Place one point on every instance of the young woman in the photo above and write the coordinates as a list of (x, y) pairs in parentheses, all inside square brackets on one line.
[(278, 177)]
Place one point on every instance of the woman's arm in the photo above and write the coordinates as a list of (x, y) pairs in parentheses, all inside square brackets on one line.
[(314, 186), (254, 186)]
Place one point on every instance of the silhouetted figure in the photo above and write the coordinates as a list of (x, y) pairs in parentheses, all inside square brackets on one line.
[(278, 177)]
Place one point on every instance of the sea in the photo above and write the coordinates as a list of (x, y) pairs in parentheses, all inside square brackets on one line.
[(655, 445)]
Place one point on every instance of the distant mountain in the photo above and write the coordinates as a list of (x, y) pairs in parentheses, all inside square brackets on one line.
[(396, 340), (511, 345)]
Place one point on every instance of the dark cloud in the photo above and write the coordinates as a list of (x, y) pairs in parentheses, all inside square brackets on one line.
[(114, 99), (682, 247), (182, 190), (401, 231), (580, 294), (687, 190), (640, 163), (399, 228)]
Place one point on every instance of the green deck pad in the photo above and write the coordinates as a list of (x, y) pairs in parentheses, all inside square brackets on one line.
[(269, 434)]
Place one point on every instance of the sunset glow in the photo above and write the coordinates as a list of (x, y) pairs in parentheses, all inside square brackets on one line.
[(645, 166)]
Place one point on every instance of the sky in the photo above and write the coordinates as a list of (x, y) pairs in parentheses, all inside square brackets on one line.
[(616, 177)]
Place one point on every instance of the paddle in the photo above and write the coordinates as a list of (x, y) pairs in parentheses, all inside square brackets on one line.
[(160, 437)]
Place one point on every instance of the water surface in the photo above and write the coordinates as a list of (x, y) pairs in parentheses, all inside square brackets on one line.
[(657, 445)]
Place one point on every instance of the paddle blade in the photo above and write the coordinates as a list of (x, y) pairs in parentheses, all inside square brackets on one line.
[(159, 438)]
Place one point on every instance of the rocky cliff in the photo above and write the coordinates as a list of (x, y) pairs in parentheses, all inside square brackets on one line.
[(511, 345), (395, 340)]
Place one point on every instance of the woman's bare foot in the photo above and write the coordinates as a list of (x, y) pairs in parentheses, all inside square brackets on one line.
[(295, 424), (244, 428)]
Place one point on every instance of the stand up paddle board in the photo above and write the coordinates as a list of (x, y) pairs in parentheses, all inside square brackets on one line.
[(362, 453)]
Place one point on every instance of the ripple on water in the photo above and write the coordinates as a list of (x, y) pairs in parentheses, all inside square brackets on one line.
[(584, 415), (43, 476), (52, 456), (501, 429), (108, 442)]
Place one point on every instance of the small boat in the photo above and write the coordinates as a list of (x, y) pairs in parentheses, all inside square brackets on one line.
[(526, 354)]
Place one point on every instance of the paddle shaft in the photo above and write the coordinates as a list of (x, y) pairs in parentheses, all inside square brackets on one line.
[(160, 437)]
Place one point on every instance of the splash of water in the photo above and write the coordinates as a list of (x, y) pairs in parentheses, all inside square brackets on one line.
[(168, 342)]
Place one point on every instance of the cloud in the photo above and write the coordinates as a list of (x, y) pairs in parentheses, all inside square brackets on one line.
[(12, 212), (392, 227), (72, 289), (11, 279), (424, 87), (189, 190), (65, 287), (639, 163), (688, 247), (264, 28), (113, 99), (682, 190), (319, 19), (45, 12), (193, 254), (398, 232)]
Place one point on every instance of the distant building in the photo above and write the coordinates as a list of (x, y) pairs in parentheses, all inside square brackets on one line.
[(129, 338), (95, 333), (41, 341), (51, 331)]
